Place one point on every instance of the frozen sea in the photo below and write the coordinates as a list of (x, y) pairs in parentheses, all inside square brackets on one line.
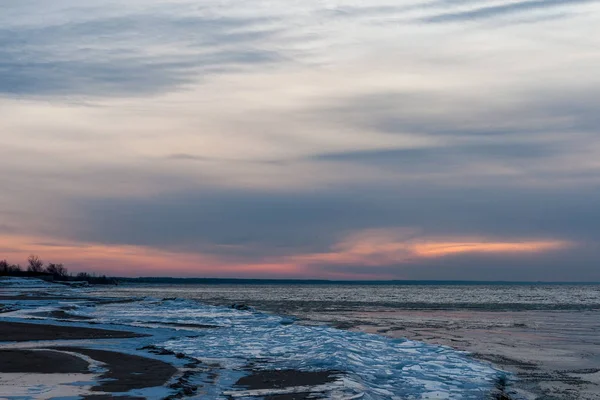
[(414, 341), (544, 336)]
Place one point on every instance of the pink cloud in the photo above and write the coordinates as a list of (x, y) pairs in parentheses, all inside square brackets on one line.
[(389, 247)]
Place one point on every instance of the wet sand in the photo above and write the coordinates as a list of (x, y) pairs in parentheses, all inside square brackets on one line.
[(284, 378), (126, 371), (301, 385), (23, 332), (41, 362), (123, 372)]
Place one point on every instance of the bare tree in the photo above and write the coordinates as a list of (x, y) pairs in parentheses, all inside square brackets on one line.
[(14, 268), (35, 264), (4, 266), (83, 276), (58, 270)]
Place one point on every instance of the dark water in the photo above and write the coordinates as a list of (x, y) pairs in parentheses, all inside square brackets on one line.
[(408, 297)]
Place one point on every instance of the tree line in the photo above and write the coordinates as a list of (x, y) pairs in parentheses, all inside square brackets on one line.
[(51, 271)]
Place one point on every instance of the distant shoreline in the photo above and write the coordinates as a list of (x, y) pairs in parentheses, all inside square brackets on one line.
[(226, 281), (115, 280)]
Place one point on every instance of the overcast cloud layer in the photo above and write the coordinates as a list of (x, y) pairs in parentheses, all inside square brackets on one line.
[(349, 140)]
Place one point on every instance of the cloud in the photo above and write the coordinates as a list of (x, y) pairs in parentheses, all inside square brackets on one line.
[(6, 229), (253, 225), (435, 158), (527, 134), (362, 255), (493, 11), (442, 248), (506, 267), (536, 108), (389, 251), (188, 157), (133, 54), (122, 260)]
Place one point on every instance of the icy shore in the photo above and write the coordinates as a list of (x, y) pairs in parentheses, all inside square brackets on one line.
[(235, 343)]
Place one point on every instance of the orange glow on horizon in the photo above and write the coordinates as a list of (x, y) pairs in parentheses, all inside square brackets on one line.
[(358, 252), (126, 260), (388, 247), (451, 248)]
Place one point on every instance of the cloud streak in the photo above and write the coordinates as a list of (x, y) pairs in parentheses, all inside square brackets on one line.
[(488, 12), (385, 247), (136, 54)]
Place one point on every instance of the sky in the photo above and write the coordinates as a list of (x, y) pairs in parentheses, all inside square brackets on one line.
[(404, 139)]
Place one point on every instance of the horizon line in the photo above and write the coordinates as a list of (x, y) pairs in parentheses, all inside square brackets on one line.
[(336, 281)]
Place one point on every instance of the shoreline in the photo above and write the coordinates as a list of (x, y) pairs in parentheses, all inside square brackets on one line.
[(126, 376), (31, 353), (28, 332), (49, 354), (551, 355), (65, 321)]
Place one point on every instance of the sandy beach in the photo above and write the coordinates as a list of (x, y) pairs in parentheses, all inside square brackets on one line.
[(24, 332), (40, 361), (122, 372)]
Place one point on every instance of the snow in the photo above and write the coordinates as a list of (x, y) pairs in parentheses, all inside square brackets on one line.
[(10, 282), (44, 386)]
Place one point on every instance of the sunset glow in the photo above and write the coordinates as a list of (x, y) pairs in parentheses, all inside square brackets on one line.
[(139, 260)]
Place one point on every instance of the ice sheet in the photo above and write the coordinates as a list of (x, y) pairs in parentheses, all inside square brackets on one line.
[(379, 367)]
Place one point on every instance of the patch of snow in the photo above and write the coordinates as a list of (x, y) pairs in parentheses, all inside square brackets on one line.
[(29, 283), (43, 386)]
